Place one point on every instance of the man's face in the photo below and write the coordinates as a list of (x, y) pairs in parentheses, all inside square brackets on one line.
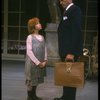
[(64, 3)]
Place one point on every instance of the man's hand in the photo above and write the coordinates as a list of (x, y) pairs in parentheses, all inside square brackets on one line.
[(70, 57)]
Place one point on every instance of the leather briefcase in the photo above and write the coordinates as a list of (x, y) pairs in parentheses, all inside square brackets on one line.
[(69, 74)]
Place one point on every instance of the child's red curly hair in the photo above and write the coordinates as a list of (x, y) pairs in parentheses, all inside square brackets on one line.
[(31, 24)]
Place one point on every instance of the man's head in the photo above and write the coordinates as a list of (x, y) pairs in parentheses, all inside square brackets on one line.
[(65, 3)]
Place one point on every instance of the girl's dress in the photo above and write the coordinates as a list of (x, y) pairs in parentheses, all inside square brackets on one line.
[(34, 74)]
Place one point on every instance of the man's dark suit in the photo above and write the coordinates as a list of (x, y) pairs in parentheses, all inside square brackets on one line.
[(70, 41)]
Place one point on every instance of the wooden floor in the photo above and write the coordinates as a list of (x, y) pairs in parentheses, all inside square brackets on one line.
[(13, 84)]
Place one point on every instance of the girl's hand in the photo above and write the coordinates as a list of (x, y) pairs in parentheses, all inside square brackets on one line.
[(44, 63), (40, 65)]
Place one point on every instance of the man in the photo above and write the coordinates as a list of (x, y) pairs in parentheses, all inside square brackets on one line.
[(70, 40)]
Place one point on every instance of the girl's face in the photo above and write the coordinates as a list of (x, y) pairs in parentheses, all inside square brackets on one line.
[(38, 26)]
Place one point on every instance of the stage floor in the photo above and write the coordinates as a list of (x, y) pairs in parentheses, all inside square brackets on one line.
[(13, 84)]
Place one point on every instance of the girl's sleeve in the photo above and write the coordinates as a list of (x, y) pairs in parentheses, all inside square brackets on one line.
[(29, 50)]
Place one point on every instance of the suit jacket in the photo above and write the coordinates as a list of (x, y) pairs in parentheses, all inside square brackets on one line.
[(70, 38)]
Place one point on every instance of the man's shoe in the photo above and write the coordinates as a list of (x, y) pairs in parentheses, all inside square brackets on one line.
[(29, 98), (58, 99)]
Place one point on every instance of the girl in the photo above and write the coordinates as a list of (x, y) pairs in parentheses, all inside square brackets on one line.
[(36, 58)]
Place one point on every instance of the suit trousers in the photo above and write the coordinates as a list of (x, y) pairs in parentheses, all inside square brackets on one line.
[(69, 93)]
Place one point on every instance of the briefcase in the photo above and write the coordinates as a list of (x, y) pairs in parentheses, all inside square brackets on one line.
[(69, 74)]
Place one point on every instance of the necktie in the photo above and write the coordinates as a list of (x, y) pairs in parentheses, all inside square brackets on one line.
[(64, 12)]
